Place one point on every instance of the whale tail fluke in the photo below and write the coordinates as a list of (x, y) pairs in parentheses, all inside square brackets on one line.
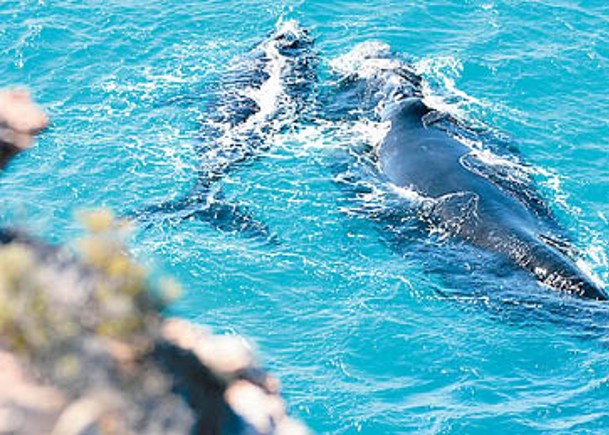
[(213, 209)]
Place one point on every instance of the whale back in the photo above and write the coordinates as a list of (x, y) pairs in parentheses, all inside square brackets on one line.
[(462, 197), (274, 79), (264, 93)]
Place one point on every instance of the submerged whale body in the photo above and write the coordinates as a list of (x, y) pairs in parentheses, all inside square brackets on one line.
[(262, 94), (462, 197)]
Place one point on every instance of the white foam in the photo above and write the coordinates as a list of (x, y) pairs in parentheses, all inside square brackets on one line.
[(446, 70), (409, 194), (594, 259), (489, 158), (588, 269), (268, 95), (365, 60), (288, 26), (272, 92)]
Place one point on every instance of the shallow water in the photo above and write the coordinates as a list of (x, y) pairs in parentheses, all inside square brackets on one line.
[(366, 336)]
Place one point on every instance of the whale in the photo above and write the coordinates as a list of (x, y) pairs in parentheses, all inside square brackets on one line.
[(459, 194), (263, 93)]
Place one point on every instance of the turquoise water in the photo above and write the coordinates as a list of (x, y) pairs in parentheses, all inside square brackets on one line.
[(365, 337)]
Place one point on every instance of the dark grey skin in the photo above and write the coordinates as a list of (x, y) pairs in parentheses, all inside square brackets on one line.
[(464, 203)]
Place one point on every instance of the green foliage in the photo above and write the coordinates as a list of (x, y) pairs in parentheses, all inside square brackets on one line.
[(47, 301)]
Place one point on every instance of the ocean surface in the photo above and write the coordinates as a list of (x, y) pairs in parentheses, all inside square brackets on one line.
[(367, 335)]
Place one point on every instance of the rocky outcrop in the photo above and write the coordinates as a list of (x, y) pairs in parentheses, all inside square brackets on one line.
[(84, 348)]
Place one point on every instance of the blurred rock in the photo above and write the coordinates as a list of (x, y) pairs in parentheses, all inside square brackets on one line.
[(84, 349)]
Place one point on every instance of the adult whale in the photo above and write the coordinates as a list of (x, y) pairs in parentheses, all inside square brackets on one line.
[(264, 93), (463, 197)]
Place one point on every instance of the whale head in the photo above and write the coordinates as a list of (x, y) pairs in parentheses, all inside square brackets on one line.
[(371, 74), (289, 36)]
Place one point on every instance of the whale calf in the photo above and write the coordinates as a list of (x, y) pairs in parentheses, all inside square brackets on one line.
[(264, 93), (461, 196)]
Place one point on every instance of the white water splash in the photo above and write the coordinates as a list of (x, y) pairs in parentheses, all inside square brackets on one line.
[(440, 88), (275, 108), (365, 60), (272, 90)]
